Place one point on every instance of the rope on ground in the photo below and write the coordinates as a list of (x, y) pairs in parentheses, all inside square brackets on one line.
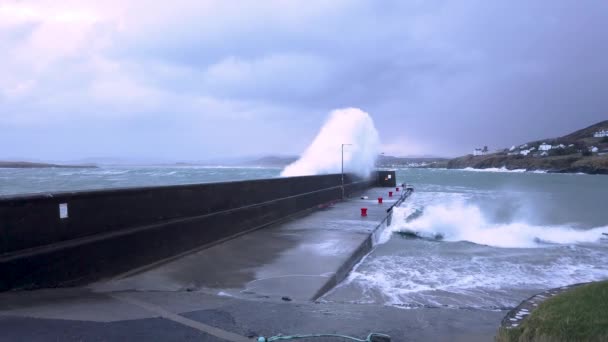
[(373, 337)]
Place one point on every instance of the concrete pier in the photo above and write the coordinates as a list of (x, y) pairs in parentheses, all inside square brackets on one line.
[(259, 270), (299, 259), (258, 284)]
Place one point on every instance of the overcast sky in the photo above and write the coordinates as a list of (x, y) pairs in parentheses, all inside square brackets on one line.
[(199, 79)]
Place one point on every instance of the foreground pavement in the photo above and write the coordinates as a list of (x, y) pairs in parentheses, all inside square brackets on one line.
[(80, 315), (263, 283)]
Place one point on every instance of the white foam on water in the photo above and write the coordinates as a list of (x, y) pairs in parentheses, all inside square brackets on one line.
[(494, 169), (344, 126), (458, 221), (502, 263), (428, 279)]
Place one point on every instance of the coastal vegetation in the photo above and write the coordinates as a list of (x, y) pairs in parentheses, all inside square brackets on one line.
[(580, 151), (580, 314)]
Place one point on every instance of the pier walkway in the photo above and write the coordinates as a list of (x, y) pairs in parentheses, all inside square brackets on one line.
[(262, 283)]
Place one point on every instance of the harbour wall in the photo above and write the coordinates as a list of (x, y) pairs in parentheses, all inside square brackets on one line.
[(71, 238)]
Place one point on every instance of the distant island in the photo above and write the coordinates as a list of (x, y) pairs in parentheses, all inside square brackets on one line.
[(271, 161), (28, 165), (584, 151)]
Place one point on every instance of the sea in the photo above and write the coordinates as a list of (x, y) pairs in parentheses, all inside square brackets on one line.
[(465, 238)]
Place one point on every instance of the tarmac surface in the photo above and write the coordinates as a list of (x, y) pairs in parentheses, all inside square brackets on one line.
[(260, 284), (74, 315)]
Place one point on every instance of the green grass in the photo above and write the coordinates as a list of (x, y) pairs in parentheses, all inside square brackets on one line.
[(580, 314)]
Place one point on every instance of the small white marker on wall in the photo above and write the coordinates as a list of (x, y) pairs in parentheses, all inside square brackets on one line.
[(63, 210)]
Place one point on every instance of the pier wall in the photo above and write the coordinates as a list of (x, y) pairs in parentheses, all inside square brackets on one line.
[(63, 239)]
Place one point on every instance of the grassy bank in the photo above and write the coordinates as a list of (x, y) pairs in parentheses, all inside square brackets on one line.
[(580, 314)]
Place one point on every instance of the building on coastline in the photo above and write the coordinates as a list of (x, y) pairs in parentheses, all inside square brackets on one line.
[(559, 146), (524, 152), (544, 147), (480, 152), (544, 154), (601, 134), (593, 149)]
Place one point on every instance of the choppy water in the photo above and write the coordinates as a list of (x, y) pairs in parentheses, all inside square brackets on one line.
[(19, 181), (505, 237)]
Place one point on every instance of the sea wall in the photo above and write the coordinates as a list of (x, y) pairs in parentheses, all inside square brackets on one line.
[(63, 239)]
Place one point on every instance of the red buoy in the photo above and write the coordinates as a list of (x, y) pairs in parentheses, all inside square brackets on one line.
[(379, 200), (363, 211)]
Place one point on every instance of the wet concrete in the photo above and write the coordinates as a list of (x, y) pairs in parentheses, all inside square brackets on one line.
[(295, 259), (58, 316), (257, 284)]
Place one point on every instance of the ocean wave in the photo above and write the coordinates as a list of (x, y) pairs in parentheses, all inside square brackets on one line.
[(458, 221), (429, 279), (494, 169)]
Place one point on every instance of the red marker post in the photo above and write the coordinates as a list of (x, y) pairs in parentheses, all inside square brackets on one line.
[(379, 200), (363, 212), (390, 194)]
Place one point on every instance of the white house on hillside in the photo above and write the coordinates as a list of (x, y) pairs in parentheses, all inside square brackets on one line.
[(601, 134), (544, 147), (481, 152), (594, 149)]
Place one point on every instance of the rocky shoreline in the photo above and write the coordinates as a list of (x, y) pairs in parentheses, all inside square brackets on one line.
[(559, 164), (514, 318)]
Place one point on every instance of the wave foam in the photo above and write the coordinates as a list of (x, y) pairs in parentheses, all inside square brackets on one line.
[(494, 169), (344, 126), (458, 221), (477, 281)]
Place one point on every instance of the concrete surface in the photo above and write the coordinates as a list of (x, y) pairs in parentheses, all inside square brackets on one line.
[(125, 320), (112, 231), (294, 259), (257, 284)]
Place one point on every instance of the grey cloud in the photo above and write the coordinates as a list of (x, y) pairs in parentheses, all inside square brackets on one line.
[(449, 75)]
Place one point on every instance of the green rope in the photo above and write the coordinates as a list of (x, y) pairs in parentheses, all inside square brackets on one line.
[(293, 337)]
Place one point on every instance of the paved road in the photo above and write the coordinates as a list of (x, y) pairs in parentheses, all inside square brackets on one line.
[(78, 315)]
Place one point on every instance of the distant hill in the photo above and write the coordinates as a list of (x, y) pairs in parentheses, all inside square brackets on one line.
[(585, 134), (28, 165), (578, 151), (391, 161), (271, 161)]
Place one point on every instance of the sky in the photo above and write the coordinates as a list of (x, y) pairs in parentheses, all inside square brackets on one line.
[(205, 79)]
